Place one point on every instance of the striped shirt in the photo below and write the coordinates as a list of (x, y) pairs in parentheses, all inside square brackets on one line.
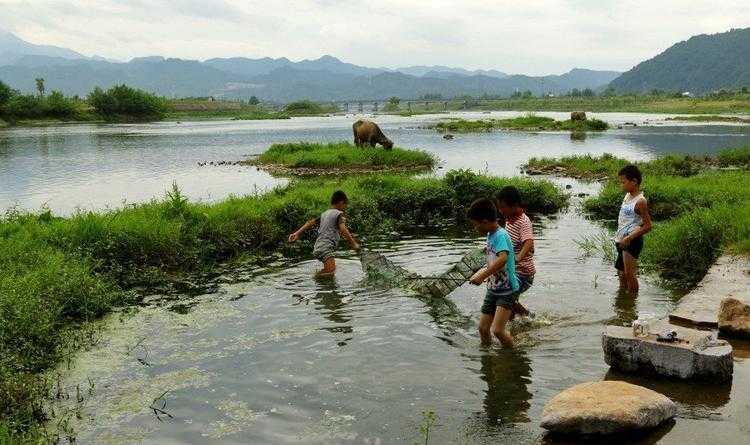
[(520, 230)]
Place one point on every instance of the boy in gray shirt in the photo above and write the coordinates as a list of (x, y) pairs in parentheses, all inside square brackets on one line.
[(331, 225)]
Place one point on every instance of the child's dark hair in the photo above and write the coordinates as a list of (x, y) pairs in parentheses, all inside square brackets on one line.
[(339, 196), (482, 210), (632, 173), (509, 195)]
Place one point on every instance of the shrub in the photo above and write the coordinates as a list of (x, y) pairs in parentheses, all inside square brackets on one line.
[(5, 94), (125, 103), (303, 107)]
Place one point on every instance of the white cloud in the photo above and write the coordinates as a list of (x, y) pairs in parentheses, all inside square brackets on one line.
[(545, 36)]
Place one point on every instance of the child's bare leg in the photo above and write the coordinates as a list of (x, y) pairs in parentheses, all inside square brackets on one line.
[(502, 315), (520, 310), (631, 272), (329, 268), (485, 326)]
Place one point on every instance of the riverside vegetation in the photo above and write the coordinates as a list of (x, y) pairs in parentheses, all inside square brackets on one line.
[(723, 102), (701, 206), (119, 103), (529, 122), (316, 158), (122, 103), (59, 273)]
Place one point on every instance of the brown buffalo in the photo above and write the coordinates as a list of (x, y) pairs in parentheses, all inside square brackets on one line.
[(578, 116), (367, 133)]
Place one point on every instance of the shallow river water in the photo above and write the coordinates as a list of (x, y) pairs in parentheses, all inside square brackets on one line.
[(271, 355)]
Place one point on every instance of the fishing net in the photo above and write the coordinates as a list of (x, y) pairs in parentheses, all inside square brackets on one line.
[(379, 268)]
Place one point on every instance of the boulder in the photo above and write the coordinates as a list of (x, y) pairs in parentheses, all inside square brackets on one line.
[(734, 317), (606, 407), (696, 355)]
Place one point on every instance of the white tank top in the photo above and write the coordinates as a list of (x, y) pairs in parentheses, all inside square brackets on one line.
[(628, 220)]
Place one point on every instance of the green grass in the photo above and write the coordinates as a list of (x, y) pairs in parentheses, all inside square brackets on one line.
[(245, 113), (684, 248), (606, 166), (735, 157), (636, 104), (60, 272), (261, 115), (523, 123), (700, 211), (711, 118), (343, 155), (670, 196)]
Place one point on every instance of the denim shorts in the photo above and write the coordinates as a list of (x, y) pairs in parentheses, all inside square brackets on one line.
[(493, 300)]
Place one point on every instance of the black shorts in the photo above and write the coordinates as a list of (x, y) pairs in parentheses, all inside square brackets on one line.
[(493, 300), (634, 249)]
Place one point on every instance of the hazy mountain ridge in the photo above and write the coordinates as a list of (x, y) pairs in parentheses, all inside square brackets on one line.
[(701, 64), (326, 78)]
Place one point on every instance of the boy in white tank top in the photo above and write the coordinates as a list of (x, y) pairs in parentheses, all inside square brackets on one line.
[(633, 222)]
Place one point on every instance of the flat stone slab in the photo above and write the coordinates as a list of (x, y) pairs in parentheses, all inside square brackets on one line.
[(729, 277), (606, 407), (697, 355)]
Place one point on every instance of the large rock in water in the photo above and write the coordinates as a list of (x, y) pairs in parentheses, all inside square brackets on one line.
[(606, 407), (697, 354), (734, 317)]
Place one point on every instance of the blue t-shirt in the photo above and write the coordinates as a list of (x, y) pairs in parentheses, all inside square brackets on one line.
[(504, 281)]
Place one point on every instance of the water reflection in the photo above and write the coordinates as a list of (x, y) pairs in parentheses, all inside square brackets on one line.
[(647, 437), (625, 306), (711, 395), (507, 373), (333, 305)]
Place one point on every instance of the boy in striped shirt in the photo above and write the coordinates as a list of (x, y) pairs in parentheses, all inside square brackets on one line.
[(518, 226)]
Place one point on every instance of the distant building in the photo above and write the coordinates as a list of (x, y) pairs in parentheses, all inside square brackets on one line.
[(687, 94)]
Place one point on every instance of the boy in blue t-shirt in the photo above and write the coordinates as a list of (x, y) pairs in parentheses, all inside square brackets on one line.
[(500, 273)]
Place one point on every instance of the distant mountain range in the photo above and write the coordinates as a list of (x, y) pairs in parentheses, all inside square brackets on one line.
[(281, 80), (701, 64)]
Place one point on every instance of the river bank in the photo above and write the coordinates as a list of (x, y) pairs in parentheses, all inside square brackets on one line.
[(692, 203), (729, 104), (163, 152)]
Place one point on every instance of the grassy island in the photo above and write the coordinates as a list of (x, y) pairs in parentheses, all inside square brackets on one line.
[(308, 158), (522, 123)]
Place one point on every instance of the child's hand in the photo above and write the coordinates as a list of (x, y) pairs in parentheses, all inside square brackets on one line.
[(293, 237), (477, 278), (625, 242)]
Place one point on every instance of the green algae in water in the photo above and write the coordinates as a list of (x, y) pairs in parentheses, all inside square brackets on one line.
[(236, 418)]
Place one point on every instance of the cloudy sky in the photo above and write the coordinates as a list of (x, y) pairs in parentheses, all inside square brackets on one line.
[(534, 37)]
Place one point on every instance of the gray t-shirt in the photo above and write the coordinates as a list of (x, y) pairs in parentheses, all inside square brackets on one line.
[(328, 230)]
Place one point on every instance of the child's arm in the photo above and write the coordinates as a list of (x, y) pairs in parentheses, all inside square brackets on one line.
[(305, 227), (479, 277), (641, 208), (527, 247), (346, 234)]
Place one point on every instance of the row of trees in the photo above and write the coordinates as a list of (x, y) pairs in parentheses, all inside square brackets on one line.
[(117, 103)]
